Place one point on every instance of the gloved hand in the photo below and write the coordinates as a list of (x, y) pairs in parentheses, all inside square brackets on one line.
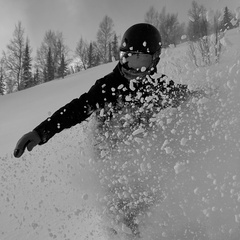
[(29, 141)]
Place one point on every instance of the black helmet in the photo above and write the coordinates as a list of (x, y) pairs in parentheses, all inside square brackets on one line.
[(141, 37)]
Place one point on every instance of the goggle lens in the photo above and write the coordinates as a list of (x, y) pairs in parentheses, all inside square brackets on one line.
[(136, 60)]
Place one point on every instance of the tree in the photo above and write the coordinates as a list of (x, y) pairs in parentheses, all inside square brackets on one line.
[(115, 48), (94, 58), (81, 52), (36, 77), (49, 67), (27, 67), (13, 59), (171, 30), (109, 52), (216, 28), (2, 76), (90, 56), (53, 40), (204, 36), (226, 21), (198, 25), (104, 38), (168, 25), (62, 68), (152, 17)]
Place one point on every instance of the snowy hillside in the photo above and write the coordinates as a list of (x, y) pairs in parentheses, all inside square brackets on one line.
[(188, 168)]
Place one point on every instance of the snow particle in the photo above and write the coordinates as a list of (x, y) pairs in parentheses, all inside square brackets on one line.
[(168, 150), (183, 141), (85, 196), (183, 37), (179, 167), (191, 19)]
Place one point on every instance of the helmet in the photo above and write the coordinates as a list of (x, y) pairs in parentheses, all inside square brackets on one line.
[(141, 37), (139, 40)]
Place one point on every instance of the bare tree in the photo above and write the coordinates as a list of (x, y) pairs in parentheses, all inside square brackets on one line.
[(13, 58), (54, 41), (197, 27), (104, 38), (82, 54), (152, 17), (204, 35), (168, 25)]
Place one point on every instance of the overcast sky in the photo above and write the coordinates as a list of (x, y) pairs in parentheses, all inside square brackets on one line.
[(76, 18)]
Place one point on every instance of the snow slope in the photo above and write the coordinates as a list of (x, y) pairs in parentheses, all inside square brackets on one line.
[(190, 164)]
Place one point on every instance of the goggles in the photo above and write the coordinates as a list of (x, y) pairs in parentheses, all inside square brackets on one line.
[(136, 61)]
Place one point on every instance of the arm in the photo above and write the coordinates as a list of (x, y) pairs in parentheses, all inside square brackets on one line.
[(71, 114), (74, 112), (67, 116)]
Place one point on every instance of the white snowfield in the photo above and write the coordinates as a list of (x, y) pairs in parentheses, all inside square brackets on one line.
[(187, 169)]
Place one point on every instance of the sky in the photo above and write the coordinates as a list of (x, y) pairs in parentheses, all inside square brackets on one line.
[(81, 18)]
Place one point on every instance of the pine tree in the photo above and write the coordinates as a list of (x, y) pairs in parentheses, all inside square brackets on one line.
[(62, 68), (226, 22), (27, 68), (90, 56), (109, 52), (36, 77), (115, 48), (49, 67), (2, 85)]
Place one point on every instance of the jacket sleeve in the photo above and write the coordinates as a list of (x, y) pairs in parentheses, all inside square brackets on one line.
[(67, 116), (75, 112)]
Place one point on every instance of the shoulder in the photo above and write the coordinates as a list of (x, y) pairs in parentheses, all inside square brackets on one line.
[(111, 80)]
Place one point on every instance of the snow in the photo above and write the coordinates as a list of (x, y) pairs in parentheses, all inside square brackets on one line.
[(187, 170)]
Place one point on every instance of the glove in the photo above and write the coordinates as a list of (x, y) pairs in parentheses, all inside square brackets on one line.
[(29, 141)]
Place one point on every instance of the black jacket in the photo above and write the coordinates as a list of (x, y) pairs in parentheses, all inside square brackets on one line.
[(113, 88)]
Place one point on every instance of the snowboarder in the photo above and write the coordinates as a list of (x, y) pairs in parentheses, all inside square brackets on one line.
[(139, 55), (134, 81)]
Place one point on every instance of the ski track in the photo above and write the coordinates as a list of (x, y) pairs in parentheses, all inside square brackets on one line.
[(187, 169)]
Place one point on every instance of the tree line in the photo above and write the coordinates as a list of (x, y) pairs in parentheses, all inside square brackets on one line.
[(18, 70)]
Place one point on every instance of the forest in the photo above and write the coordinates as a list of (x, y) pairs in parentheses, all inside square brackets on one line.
[(20, 68)]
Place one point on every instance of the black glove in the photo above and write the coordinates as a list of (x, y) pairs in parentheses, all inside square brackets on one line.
[(29, 141)]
